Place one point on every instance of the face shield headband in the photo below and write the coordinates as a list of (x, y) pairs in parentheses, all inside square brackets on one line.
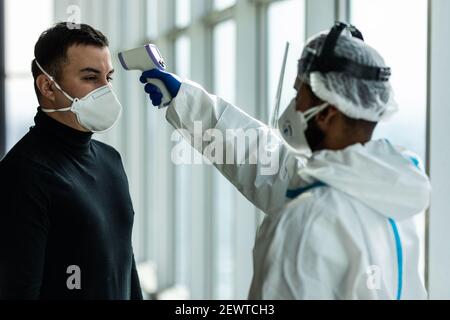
[(327, 61)]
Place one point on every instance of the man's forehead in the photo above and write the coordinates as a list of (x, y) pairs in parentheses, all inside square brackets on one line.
[(82, 57)]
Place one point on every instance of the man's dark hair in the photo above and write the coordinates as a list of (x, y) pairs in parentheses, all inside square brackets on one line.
[(51, 48)]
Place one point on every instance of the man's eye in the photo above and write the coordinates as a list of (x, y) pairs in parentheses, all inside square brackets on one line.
[(95, 78)]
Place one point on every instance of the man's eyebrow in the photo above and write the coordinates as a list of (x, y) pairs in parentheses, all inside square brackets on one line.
[(89, 69)]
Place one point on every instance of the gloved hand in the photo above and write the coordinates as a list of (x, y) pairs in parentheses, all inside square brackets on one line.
[(171, 81)]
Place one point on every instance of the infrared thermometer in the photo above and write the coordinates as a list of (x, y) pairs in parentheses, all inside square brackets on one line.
[(143, 59)]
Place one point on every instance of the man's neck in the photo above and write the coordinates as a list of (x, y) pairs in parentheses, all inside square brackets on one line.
[(67, 118)]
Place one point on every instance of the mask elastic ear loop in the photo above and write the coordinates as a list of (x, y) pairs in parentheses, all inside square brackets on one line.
[(53, 80), (56, 110), (309, 114)]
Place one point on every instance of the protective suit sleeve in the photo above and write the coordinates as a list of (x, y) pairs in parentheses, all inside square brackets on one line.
[(250, 154)]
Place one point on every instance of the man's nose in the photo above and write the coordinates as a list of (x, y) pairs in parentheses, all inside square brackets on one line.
[(104, 82)]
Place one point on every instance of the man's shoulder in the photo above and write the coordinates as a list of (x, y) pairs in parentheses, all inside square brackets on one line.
[(27, 155), (322, 202), (107, 149), (24, 148), (335, 205)]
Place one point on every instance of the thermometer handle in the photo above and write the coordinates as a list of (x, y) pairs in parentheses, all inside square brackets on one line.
[(166, 97)]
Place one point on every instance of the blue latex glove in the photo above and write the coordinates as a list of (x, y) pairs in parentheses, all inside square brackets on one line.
[(171, 81)]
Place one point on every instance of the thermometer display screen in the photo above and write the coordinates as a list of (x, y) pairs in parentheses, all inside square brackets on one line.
[(157, 56)]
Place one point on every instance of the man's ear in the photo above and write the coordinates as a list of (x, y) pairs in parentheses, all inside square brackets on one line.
[(325, 118), (46, 87)]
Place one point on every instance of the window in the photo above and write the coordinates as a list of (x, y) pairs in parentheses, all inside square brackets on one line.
[(410, 57), (284, 24), (409, 69), (183, 56), (223, 4), (21, 102), (224, 36), (182, 13), (183, 182), (152, 19)]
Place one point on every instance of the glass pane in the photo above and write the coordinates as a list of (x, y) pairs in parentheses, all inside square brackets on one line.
[(224, 86), (408, 127), (225, 60), (223, 4), (183, 56), (152, 19), (21, 101), (182, 12), (411, 56), (183, 196), (183, 182), (285, 23), (20, 39), (21, 106)]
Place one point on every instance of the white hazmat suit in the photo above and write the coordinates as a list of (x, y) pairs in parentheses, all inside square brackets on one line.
[(338, 225)]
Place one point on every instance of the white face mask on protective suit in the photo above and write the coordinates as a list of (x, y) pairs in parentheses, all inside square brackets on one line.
[(293, 124), (98, 111)]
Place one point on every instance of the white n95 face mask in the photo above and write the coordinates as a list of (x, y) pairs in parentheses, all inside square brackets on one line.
[(293, 124), (98, 111)]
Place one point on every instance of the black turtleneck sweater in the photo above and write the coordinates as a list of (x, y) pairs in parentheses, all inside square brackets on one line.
[(64, 202)]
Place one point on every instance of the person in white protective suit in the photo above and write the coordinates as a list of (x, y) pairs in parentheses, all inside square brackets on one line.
[(338, 221)]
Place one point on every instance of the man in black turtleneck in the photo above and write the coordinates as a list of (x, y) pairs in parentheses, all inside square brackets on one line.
[(66, 215)]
